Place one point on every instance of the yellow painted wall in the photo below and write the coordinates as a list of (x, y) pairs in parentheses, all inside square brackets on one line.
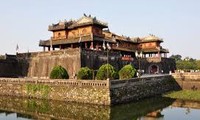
[(107, 35), (127, 45), (80, 31), (59, 35), (149, 45)]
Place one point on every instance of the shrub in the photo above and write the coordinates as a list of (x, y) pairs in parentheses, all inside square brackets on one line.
[(105, 71), (59, 72), (128, 71), (85, 73)]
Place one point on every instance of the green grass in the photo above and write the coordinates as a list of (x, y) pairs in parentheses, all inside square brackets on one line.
[(185, 95), (34, 88)]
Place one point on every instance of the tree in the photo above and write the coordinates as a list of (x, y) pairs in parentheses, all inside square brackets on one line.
[(84, 73), (128, 71), (187, 65), (176, 57), (58, 72), (198, 64), (106, 71)]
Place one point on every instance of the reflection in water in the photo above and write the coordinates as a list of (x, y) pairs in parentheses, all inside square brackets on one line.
[(149, 109), (54, 110), (134, 111)]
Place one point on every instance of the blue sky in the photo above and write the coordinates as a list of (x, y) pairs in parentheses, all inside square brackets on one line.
[(25, 22)]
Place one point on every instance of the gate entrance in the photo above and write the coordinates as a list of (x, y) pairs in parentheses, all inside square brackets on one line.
[(154, 69)]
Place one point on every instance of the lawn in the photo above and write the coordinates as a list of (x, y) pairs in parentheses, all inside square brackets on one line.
[(185, 94)]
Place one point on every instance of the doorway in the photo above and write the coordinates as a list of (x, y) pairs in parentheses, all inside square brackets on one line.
[(154, 69)]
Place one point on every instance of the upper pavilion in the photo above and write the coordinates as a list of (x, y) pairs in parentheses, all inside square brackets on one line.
[(90, 33)]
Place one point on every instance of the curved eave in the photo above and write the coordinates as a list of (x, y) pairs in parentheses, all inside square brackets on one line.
[(129, 41), (123, 49), (88, 38), (87, 24), (145, 41), (155, 50), (96, 38), (57, 28)]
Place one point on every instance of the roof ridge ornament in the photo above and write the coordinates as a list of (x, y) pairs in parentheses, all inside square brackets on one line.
[(84, 15)]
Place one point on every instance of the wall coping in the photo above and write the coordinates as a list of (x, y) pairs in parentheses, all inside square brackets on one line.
[(47, 53), (121, 83), (80, 83), (188, 76)]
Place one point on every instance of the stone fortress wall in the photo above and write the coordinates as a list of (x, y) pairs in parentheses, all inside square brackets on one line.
[(96, 92), (122, 91), (188, 80), (40, 64), (164, 65), (88, 91), (9, 66), (187, 76)]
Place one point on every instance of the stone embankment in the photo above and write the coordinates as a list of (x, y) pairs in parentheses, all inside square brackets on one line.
[(138, 88), (102, 92), (188, 80)]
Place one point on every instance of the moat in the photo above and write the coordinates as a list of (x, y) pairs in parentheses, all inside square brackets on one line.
[(157, 108)]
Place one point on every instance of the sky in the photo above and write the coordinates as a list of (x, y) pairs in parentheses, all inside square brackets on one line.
[(177, 22)]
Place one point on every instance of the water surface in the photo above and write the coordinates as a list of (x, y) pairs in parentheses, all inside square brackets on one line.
[(158, 108)]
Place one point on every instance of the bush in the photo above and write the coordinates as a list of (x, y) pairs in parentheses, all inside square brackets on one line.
[(128, 71), (59, 72), (105, 71), (85, 73)]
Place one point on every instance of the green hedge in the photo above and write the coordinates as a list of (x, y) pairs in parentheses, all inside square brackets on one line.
[(105, 71), (59, 72), (85, 73), (128, 71)]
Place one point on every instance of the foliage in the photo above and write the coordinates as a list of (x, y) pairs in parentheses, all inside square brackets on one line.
[(198, 64), (42, 106), (115, 75), (176, 57), (59, 72), (185, 94), (85, 73), (106, 71), (128, 71), (34, 88), (187, 63)]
